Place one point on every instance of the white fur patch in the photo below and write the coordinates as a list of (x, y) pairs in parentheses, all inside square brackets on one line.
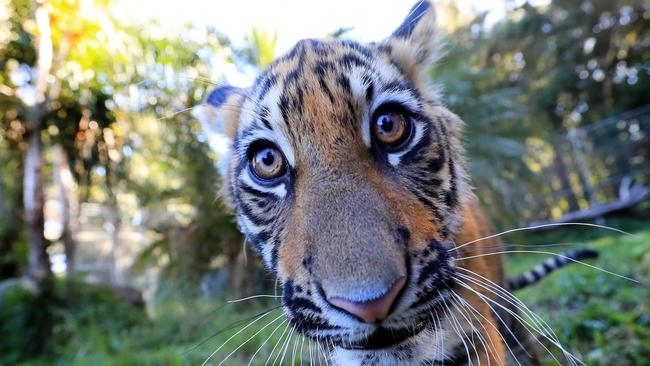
[(358, 88), (403, 97), (267, 254), (247, 226)]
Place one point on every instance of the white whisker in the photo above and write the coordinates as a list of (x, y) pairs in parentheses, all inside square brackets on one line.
[(473, 331), (540, 227), (302, 346), (253, 297), (324, 354), (545, 331), (286, 346), (172, 115), (320, 353), (265, 341), (469, 306), (471, 311), (276, 344), (457, 329), (503, 294)]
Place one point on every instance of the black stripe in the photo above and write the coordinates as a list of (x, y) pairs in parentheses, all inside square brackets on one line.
[(370, 90), (350, 60), (451, 196), (344, 83), (319, 47), (264, 115), (325, 88), (322, 67), (358, 47), (266, 81)]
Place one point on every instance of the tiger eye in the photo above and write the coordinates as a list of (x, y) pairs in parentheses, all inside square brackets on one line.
[(390, 129), (268, 163)]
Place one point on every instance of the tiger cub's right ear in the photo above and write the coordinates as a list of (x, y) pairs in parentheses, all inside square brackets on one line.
[(219, 114)]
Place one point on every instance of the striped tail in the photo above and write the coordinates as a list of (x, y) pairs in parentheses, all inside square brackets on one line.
[(545, 268)]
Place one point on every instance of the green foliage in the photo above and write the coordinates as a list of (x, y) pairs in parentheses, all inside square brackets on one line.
[(539, 71)]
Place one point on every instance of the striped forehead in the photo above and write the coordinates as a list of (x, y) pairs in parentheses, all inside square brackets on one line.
[(369, 77), (263, 120)]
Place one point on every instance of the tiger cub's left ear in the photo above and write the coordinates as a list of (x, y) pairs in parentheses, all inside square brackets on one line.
[(414, 45)]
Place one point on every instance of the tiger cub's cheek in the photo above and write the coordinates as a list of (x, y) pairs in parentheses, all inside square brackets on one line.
[(418, 219)]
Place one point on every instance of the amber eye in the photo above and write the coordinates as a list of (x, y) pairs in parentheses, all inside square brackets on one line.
[(268, 163), (391, 129)]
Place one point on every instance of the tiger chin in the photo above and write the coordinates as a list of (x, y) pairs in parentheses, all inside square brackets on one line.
[(347, 176)]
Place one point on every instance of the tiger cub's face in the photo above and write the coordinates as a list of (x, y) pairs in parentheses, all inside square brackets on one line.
[(346, 176)]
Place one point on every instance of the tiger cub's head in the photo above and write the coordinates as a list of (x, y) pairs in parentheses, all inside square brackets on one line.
[(346, 174)]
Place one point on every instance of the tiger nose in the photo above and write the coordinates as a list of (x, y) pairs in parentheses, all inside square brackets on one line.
[(373, 310)]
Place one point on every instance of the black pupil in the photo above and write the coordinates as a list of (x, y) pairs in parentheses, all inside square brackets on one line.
[(268, 157), (386, 123)]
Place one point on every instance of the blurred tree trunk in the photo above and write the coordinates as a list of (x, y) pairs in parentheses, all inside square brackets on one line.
[(34, 201), (33, 195), (39, 266), (115, 226), (114, 223), (69, 207)]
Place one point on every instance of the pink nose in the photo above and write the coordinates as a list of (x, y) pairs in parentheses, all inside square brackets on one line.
[(372, 310)]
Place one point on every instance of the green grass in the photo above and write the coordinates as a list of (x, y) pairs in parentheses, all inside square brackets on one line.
[(603, 319)]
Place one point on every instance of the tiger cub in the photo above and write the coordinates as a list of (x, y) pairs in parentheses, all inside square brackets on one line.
[(347, 176)]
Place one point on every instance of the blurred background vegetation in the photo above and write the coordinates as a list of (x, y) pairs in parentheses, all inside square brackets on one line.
[(115, 247)]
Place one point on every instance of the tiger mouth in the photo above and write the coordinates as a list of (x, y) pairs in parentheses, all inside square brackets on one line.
[(385, 338)]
